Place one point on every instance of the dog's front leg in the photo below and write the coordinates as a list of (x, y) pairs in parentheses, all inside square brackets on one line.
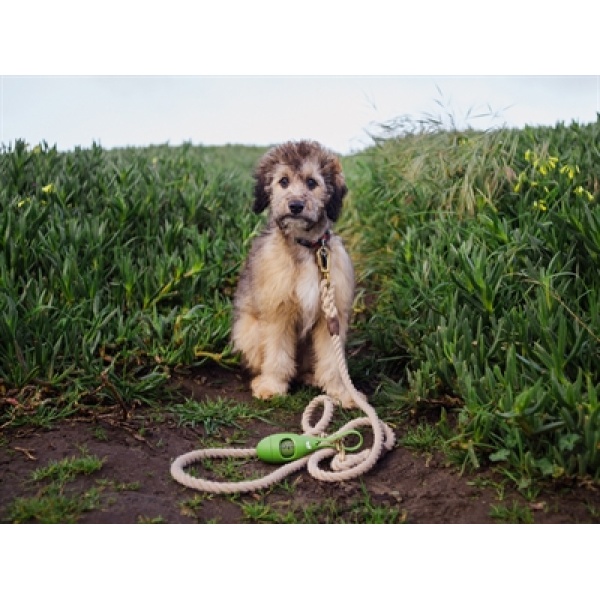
[(279, 364)]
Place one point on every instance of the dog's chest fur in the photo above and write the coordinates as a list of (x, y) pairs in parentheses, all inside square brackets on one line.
[(307, 297), (287, 287)]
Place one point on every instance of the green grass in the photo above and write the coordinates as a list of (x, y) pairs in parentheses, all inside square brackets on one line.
[(360, 510), (216, 413), (423, 437), (478, 299), (115, 266), (53, 502), (514, 514), (226, 469), (158, 520), (53, 507), (60, 472), (481, 254), (56, 500)]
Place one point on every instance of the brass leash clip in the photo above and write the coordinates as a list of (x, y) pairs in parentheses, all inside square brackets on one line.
[(323, 260)]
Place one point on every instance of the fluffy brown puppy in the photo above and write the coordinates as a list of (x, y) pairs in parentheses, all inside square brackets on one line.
[(279, 326)]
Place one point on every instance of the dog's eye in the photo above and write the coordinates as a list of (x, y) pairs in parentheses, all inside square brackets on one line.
[(311, 183), (284, 182)]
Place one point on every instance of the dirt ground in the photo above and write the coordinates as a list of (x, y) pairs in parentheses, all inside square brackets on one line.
[(137, 453)]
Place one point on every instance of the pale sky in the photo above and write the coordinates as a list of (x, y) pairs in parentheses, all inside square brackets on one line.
[(337, 111), (128, 74)]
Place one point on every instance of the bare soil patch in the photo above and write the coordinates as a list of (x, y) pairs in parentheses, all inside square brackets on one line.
[(136, 486)]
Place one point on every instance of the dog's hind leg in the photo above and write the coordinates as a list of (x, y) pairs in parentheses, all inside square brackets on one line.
[(246, 337)]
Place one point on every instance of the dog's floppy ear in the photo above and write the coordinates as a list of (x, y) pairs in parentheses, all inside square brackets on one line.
[(337, 191), (261, 196), (262, 183)]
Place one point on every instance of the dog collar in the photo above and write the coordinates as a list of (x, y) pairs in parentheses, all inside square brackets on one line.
[(322, 241)]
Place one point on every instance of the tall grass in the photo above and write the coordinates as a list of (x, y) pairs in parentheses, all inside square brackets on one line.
[(114, 265), (481, 252), (477, 256)]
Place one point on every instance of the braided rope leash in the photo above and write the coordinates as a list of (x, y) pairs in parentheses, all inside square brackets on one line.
[(342, 466)]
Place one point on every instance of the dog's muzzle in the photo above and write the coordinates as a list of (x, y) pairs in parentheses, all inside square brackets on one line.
[(296, 207), (296, 217)]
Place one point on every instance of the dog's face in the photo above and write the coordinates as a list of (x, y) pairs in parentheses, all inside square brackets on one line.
[(303, 185)]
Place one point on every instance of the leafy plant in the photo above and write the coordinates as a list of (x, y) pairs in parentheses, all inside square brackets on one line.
[(476, 255), (116, 262), (480, 252)]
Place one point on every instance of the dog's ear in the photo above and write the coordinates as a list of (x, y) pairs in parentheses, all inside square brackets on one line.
[(262, 196), (337, 192)]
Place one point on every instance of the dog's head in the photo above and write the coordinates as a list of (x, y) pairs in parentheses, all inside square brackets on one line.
[(302, 183)]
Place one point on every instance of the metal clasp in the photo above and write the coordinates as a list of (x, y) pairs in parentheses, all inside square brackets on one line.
[(323, 260)]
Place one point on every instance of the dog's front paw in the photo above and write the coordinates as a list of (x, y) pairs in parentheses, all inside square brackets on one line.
[(266, 387)]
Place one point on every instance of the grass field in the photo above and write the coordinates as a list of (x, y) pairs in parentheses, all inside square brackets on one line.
[(477, 256)]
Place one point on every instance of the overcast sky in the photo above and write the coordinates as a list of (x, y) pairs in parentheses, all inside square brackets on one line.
[(263, 72), (338, 111)]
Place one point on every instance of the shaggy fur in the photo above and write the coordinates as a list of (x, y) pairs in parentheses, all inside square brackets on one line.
[(279, 326)]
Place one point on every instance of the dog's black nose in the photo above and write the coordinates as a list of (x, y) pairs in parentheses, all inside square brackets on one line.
[(296, 207)]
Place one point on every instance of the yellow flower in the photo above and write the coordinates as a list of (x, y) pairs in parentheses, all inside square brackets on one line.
[(580, 191), (544, 167), (541, 205), (569, 170), (48, 189), (522, 179)]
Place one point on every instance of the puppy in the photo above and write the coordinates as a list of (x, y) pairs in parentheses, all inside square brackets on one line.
[(279, 326)]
